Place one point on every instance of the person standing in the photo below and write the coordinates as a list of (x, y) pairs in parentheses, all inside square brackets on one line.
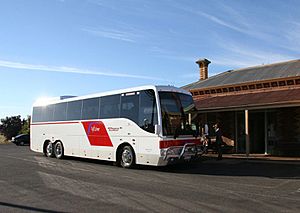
[(206, 136), (219, 140), (206, 129)]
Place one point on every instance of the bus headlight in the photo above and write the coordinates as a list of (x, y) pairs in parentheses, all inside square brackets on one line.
[(171, 151), (191, 149), (163, 152), (175, 151)]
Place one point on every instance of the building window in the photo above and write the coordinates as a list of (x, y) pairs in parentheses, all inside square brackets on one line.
[(251, 86), (290, 82), (245, 87), (259, 86), (225, 90), (237, 88), (274, 84), (281, 83)]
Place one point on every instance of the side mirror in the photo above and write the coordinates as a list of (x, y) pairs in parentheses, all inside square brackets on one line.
[(146, 123), (157, 129)]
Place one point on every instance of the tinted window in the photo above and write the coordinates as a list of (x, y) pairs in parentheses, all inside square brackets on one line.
[(47, 113), (175, 108), (37, 114), (74, 110), (60, 112), (90, 108), (187, 102), (130, 106), (147, 111), (110, 106)]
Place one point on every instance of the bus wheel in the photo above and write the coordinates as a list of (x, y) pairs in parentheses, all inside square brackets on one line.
[(58, 150), (127, 157), (49, 149)]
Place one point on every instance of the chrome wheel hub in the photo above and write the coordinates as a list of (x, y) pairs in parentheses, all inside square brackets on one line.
[(127, 157), (49, 149), (58, 150)]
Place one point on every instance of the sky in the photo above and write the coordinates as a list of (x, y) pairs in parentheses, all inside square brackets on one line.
[(77, 47)]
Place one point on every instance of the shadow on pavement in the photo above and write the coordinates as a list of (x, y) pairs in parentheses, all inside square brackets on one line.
[(234, 167), (226, 167), (29, 208)]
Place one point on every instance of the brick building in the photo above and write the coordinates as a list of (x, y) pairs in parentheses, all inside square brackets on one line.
[(258, 107)]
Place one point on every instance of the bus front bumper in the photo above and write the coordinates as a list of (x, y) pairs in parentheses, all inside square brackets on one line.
[(187, 152)]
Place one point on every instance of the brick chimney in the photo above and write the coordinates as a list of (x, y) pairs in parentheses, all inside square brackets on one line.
[(203, 65)]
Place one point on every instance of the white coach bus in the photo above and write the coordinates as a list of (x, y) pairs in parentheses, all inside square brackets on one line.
[(144, 125)]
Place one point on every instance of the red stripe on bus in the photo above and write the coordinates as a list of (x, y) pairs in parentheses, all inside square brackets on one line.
[(168, 143), (96, 133), (73, 122)]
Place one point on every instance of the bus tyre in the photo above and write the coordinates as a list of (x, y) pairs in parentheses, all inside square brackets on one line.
[(127, 158), (58, 150), (49, 149)]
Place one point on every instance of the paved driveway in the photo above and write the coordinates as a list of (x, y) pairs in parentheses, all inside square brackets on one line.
[(31, 182)]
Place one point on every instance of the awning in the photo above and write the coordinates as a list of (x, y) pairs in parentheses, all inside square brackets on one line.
[(255, 99)]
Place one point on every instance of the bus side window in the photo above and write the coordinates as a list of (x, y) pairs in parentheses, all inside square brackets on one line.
[(60, 112), (110, 107), (147, 111), (47, 113), (74, 110), (130, 107), (90, 108), (37, 114)]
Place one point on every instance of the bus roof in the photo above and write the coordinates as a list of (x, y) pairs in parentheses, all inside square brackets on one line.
[(53, 100)]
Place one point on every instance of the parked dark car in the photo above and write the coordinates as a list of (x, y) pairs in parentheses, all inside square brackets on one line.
[(22, 139)]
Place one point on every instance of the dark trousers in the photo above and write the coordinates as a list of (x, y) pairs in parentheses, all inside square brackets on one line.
[(219, 149)]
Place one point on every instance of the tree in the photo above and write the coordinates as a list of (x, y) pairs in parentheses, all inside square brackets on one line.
[(11, 126), (26, 125)]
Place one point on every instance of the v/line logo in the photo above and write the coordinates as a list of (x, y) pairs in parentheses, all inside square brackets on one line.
[(95, 129), (96, 133)]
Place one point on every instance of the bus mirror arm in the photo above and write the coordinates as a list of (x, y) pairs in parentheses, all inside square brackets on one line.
[(157, 129)]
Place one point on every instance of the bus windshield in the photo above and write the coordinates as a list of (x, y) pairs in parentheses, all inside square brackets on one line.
[(175, 108)]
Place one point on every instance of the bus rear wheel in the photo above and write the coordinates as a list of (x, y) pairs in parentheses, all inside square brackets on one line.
[(58, 150), (127, 157), (49, 149)]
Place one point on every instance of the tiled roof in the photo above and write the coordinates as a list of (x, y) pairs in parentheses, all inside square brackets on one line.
[(250, 74), (265, 98)]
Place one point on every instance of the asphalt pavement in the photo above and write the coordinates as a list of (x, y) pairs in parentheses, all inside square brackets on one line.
[(30, 182)]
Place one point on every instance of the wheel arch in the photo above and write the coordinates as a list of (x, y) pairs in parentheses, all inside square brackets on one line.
[(58, 141)]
